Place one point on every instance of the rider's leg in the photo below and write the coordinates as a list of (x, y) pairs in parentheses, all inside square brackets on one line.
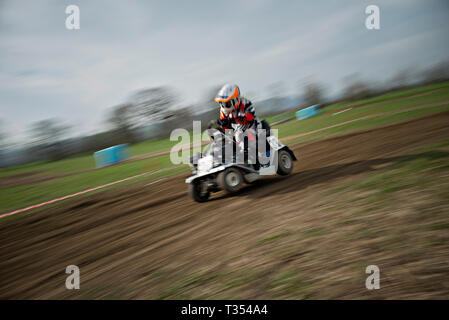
[(246, 145)]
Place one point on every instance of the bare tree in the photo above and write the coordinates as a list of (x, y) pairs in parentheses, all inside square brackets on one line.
[(179, 118), (403, 77), (436, 73), (48, 131), (2, 134), (121, 119), (2, 143), (48, 134), (313, 93), (356, 88), (151, 104), (276, 89)]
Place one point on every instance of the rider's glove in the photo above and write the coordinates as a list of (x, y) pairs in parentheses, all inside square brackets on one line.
[(226, 122)]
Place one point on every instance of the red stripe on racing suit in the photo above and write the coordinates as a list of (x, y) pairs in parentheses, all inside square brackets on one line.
[(242, 117)]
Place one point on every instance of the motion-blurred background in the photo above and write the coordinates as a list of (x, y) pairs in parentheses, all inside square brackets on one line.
[(365, 111), (136, 70)]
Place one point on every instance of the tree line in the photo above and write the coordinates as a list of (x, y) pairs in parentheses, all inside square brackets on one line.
[(151, 113)]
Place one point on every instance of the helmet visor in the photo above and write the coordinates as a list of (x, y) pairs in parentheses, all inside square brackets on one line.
[(226, 104)]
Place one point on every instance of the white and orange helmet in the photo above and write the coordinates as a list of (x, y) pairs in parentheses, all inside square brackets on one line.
[(228, 97)]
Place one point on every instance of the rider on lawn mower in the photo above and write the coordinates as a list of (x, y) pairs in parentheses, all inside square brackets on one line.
[(238, 114)]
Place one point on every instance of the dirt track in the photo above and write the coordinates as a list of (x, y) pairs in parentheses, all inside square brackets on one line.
[(143, 241)]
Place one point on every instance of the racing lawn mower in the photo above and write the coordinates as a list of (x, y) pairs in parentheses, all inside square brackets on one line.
[(211, 173)]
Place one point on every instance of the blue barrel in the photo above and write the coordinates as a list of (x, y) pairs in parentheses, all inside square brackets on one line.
[(111, 155), (308, 112)]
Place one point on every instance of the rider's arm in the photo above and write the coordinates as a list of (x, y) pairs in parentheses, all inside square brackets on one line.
[(224, 121), (247, 114)]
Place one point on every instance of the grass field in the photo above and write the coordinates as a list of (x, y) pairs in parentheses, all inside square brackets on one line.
[(84, 161), (389, 96), (381, 109), (290, 115)]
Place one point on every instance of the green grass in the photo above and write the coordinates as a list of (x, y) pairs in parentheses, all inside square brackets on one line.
[(388, 96), (22, 196), (42, 168), (84, 161), (313, 233), (280, 116), (382, 114), (417, 177), (272, 237), (440, 226), (152, 146), (289, 284), (414, 171), (25, 195)]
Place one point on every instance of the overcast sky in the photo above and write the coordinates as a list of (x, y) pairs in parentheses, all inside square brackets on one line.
[(47, 71)]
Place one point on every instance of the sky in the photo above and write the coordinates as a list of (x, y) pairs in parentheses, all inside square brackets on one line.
[(48, 71)]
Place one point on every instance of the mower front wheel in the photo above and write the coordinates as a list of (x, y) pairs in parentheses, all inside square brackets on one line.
[(197, 192)]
